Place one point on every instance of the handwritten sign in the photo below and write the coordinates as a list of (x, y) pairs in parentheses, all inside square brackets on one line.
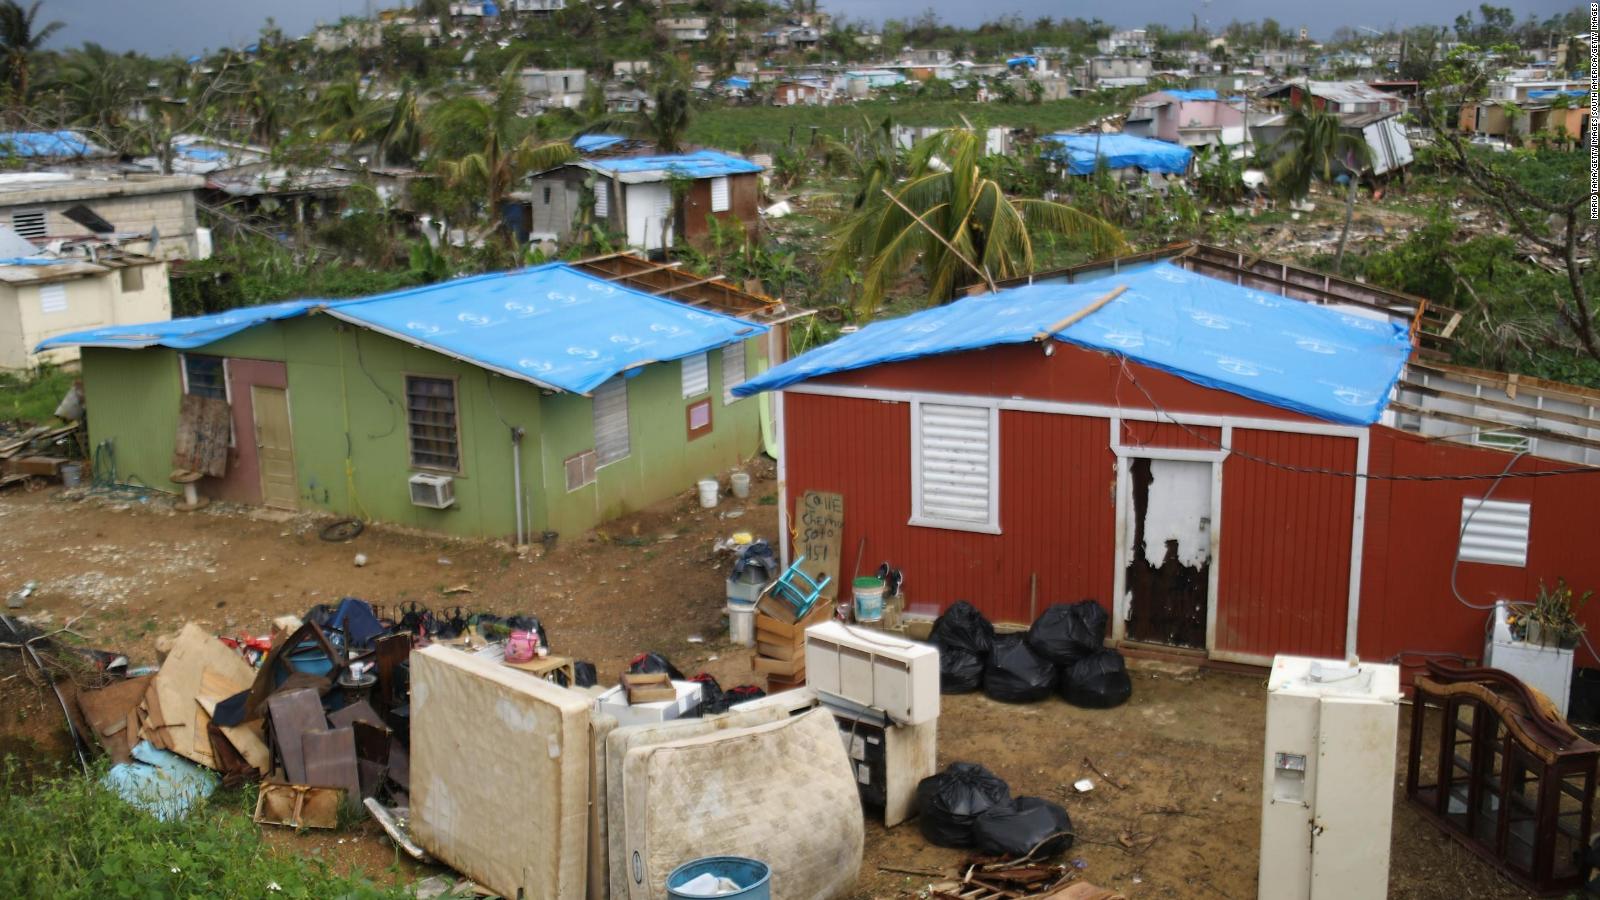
[(818, 531)]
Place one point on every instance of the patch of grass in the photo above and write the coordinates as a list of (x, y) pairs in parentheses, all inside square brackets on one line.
[(743, 127), (67, 837), (33, 396)]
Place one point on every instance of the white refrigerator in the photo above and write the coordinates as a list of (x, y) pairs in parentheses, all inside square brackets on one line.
[(1328, 795)]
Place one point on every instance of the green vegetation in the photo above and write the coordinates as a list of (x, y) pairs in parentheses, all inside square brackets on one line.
[(33, 396), (66, 837)]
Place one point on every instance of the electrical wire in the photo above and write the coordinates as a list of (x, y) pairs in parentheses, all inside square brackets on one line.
[(1466, 521), (394, 419)]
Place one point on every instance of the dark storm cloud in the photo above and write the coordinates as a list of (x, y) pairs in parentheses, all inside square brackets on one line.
[(189, 26)]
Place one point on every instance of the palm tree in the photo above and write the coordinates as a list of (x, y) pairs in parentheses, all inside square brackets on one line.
[(96, 86), (873, 160), (957, 220), (400, 138), (19, 39), (1314, 148), (664, 123)]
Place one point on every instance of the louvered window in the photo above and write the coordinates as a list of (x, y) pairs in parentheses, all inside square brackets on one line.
[(732, 370), (30, 223), (431, 417), (696, 375), (955, 477), (602, 199), (719, 194), (611, 421), (1494, 531)]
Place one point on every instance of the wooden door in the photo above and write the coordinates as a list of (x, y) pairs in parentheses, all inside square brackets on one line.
[(1169, 551), (274, 447)]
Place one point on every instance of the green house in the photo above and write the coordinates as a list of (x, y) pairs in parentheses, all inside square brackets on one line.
[(552, 395)]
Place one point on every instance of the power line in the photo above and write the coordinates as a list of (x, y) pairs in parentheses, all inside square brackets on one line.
[(1341, 473)]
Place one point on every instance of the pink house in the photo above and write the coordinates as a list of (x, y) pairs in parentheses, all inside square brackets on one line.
[(1196, 118)]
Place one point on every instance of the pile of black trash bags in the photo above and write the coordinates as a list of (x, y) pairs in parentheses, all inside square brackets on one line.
[(969, 806), (1064, 652)]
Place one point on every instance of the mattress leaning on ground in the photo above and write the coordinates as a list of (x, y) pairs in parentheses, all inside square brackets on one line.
[(500, 774), (783, 792)]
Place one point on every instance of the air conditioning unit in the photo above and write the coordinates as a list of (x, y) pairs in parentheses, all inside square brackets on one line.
[(874, 670), (433, 491)]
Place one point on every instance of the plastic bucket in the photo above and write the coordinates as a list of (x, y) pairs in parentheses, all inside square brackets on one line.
[(742, 624), (752, 876), (709, 490), (741, 484), (72, 476), (868, 594), (312, 660)]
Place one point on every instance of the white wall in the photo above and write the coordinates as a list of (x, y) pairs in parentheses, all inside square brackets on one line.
[(92, 301)]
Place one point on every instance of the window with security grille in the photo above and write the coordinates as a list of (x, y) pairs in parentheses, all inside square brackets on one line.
[(205, 376), (431, 416)]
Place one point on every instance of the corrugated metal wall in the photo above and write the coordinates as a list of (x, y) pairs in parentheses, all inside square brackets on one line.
[(1168, 435), (1057, 505), (1284, 574)]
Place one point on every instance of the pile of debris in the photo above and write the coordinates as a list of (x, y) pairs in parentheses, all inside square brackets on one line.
[(1063, 652), (41, 452)]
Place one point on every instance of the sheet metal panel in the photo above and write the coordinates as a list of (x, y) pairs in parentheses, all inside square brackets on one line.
[(1284, 576)]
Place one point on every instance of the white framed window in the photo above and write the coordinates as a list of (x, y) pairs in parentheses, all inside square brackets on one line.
[(696, 375), (602, 199), (435, 428), (30, 223), (611, 441), (1503, 440), (719, 194), (52, 298), (955, 466), (732, 371), (580, 470), (205, 376), (1495, 531)]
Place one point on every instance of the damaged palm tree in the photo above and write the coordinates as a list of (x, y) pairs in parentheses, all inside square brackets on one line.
[(955, 220)]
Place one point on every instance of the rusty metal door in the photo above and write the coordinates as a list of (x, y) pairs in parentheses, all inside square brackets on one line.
[(1168, 551), (274, 446)]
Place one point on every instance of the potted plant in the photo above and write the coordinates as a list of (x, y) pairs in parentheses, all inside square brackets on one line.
[(1553, 621)]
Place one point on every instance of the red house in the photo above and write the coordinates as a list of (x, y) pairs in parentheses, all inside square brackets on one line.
[(1237, 457)]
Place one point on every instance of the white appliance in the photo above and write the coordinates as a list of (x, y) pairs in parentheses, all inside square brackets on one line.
[(1328, 797), (432, 491), (614, 702), (873, 669), (1548, 669)]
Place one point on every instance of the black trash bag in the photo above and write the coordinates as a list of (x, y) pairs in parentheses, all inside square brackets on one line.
[(962, 627), (654, 662), (744, 693), (1067, 632), (1099, 681), (1015, 830), (587, 677), (712, 698), (1016, 674), (949, 803), (960, 671)]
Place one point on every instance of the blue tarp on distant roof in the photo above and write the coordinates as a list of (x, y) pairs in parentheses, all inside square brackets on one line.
[(183, 334), (46, 144), (1119, 151), (1284, 352), (594, 143), (1196, 94), (1015, 61), (742, 84), (1552, 94), (201, 153), (550, 324), (699, 164)]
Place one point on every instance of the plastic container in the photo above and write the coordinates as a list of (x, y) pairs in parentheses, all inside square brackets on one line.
[(72, 476), (741, 484), (867, 592), (310, 659), (753, 877), (709, 492), (742, 624)]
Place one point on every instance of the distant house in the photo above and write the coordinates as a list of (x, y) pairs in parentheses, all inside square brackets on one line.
[(1118, 71), (1132, 42), (42, 296), (633, 195), (1280, 61), (536, 7), (1346, 98), (629, 69), (34, 147), (800, 92), (1363, 111), (503, 405), (45, 206), (692, 29), (554, 88), (1193, 118), (1553, 112), (1082, 154)]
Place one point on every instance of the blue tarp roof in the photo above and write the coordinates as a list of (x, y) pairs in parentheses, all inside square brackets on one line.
[(551, 324), (1284, 352), (1015, 61), (201, 152), (699, 164), (1552, 94), (1119, 151), (46, 144), (594, 143), (742, 84), (182, 334), (1196, 94)]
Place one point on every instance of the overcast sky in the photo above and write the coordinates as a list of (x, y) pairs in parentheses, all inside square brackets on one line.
[(190, 26)]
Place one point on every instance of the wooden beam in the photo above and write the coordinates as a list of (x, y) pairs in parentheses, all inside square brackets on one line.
[(1502, 405), (1093, 306), (1490, 425), (698, 282)]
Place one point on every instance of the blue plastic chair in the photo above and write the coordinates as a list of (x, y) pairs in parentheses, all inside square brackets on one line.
[(797, 589)]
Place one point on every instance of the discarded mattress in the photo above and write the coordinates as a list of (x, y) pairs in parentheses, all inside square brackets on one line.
[(500, 774), (613, 824), (784, 791)]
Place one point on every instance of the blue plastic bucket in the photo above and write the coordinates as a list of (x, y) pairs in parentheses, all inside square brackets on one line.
[(753, 877), (310, 659), (868, 594)]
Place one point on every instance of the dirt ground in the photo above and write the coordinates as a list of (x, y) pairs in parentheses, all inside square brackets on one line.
[(1184, 753)]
